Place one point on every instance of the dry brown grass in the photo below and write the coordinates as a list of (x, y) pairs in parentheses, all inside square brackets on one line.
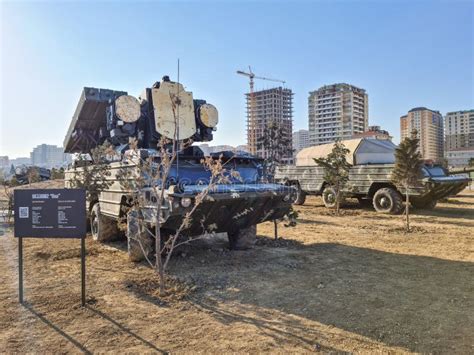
[(356, 282)]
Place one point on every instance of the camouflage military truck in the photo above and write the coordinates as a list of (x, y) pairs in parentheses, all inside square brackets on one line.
[(370, 182), (114, 116)]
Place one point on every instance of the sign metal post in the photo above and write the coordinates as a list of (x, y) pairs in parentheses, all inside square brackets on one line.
[(20, 269), (83, 271)]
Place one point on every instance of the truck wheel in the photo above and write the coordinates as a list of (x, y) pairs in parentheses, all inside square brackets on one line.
[(243, 239), (426, 205), (329, 197), (300, 195), (138, 240), (102, 228), (388, 200)]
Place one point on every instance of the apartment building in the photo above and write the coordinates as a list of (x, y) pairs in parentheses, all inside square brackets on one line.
[(429, 127), (459, 137), (266, 107), (300, 140), (337, 111), (49, 156)]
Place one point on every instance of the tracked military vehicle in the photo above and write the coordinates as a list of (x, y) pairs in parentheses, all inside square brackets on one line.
[(370, 182), (114, 116)]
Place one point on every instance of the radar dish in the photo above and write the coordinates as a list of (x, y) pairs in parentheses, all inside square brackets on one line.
[(127, 108), (209, 116)]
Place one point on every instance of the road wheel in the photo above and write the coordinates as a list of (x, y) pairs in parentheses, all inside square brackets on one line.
[(300, 195), (329, 197), (388, 200), (139, 243), (102, 228), (243, 239), (425, 205)]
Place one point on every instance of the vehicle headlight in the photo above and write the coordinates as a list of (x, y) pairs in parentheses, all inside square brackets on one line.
[(186, 202)]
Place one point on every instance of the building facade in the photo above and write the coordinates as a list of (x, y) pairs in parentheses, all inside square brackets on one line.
[(458, 158), (208, 149), (374, 132), (429, 127), (337, 111), (300, 140), (266, 107), (4, 161), (459, 137), (49, 156)]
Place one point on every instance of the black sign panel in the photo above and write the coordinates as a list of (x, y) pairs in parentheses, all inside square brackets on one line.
[(50, 213)]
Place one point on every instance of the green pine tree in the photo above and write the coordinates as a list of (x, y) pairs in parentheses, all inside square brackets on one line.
[(336, 170), (407, 171), (275, 140)]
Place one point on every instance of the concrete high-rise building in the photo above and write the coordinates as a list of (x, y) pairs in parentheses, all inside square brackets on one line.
[(49, 156), (20, 161), (459, 137), (429, 127), (4, 161), (266, 107), (337, 111), (300, 140), (459, 129)]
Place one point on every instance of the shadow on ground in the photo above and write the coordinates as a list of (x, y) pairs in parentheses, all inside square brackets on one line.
[(418, 303)]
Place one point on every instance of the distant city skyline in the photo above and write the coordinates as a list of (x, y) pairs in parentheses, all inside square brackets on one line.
[(50, 58)]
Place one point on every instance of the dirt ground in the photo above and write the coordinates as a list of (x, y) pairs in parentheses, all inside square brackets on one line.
[(355, 282)]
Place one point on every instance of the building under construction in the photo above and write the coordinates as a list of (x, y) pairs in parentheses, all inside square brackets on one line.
[(264, 108)]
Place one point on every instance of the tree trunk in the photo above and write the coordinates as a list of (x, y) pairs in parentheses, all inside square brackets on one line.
[(407, 206), (337, 202), (159, 260)]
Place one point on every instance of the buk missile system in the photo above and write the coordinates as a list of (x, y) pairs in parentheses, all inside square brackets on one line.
[(168, 110)]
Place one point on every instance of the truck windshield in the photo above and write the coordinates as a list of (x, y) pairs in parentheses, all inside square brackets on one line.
[(434, 171)]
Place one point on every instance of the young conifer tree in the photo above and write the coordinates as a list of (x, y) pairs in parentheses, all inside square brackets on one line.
[(336, 170), (407, 169), (275, 140)]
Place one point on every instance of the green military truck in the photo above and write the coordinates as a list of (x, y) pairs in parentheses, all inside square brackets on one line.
[(370, 182)]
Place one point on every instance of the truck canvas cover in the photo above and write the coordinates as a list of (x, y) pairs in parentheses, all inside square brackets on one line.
[(362, 151)]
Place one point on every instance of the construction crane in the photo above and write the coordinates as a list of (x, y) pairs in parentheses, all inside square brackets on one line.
[(251, 137), (252, 76)]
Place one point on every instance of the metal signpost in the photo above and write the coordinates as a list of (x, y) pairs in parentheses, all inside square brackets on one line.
[(50, 213)]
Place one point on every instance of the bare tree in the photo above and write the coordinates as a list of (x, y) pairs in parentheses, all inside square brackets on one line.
[(8, 193), (33, 175), (92, 172), (151, 175)]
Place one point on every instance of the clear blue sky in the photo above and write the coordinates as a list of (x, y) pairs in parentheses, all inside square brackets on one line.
[(404, 53)]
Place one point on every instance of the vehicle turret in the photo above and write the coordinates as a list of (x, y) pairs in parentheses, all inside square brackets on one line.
[(164, 110)]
